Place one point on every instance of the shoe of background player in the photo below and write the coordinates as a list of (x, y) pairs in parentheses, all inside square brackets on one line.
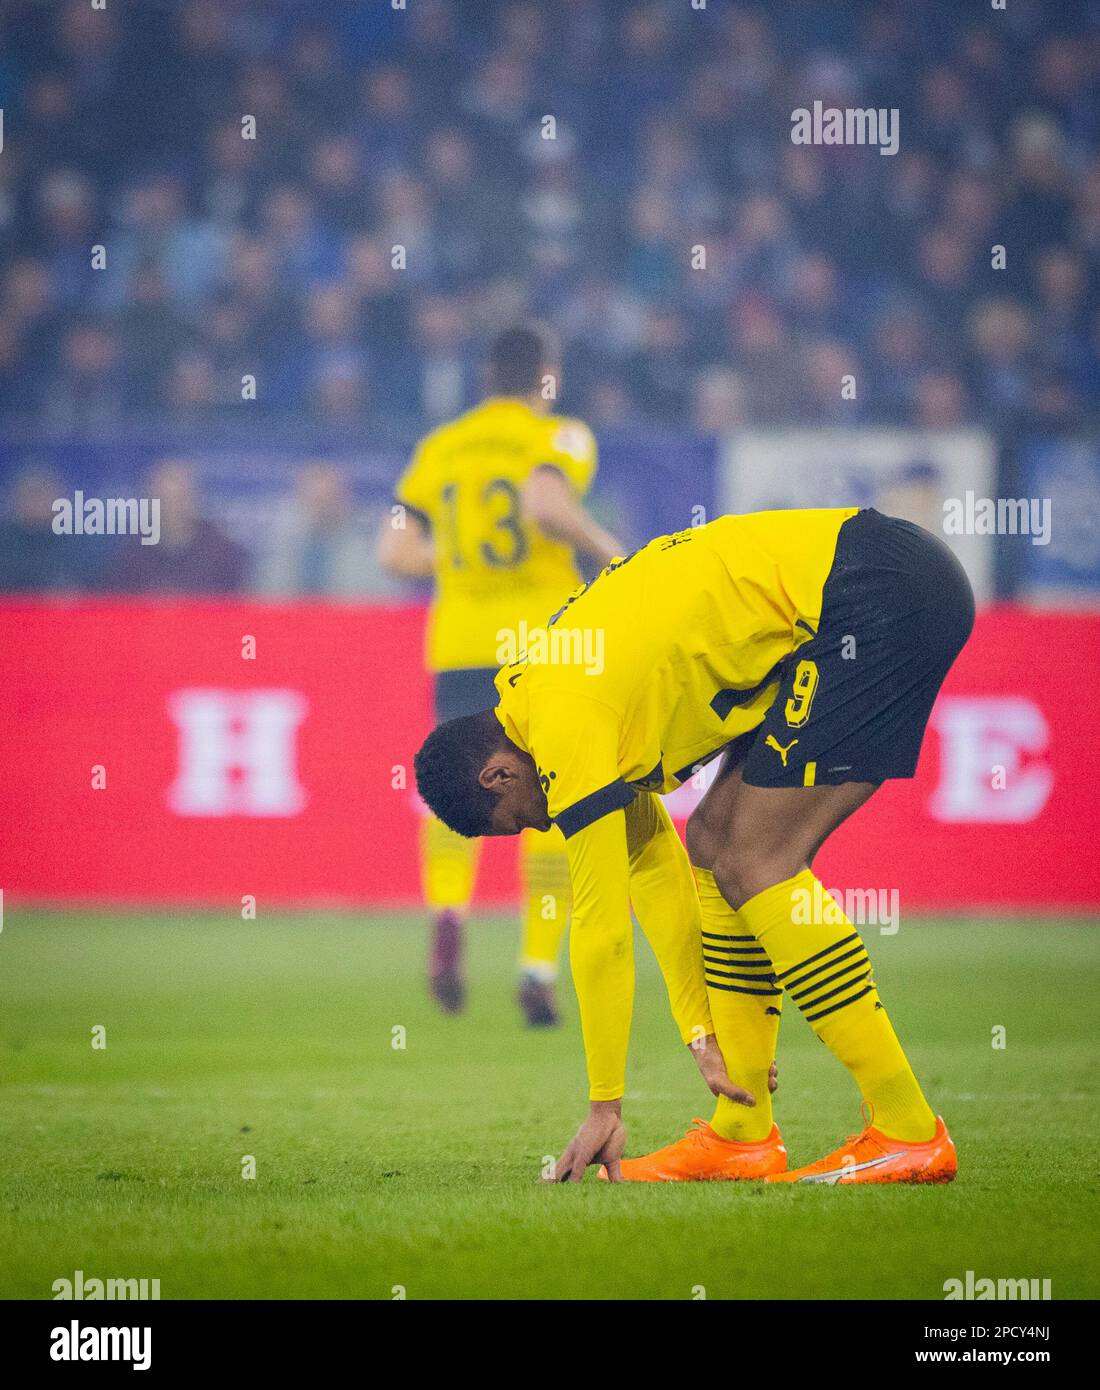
[(536, 999), (447, 983), (703, 1156), (872, 1157)]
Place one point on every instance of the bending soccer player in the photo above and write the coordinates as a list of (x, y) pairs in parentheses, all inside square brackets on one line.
[(808, 648), (492, 509)]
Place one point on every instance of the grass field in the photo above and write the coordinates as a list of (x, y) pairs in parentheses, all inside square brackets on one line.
[(379, 1167)]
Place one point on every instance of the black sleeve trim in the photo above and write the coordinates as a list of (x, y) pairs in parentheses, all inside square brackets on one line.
[(614, 797)]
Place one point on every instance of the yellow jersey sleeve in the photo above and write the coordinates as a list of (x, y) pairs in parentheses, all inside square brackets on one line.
[(623, 850), (632, 856), (601, 950), (666, 902), (570, 446)]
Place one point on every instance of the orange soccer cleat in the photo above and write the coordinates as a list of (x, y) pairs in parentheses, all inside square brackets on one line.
[(872, 1157), (703, 1156)]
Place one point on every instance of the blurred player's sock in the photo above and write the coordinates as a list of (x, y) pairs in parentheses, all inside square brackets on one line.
[(448, 867), (445, 975), (536, 999), (544, 870), (824, 967), (745, 1006)]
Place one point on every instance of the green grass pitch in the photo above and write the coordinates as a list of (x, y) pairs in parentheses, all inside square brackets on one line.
[(379, 1167)]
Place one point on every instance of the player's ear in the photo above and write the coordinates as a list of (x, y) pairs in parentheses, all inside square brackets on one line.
[(495, 773)]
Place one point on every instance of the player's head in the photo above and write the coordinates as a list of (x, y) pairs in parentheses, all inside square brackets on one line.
[(477, 781), (520, 358)]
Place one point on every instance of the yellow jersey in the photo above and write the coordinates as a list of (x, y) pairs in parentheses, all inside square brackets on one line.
[(496, 574), (666, 656), (643, 676)]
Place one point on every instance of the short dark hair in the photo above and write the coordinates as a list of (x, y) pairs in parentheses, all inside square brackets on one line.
[(447, 770), (517, 359)]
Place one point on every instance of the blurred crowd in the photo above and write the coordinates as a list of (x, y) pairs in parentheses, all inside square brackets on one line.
[(317, 543), (423, 128)]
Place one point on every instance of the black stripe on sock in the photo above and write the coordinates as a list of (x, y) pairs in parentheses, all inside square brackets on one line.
[(740, 989), (828, 980), (764, 972), (734, 975), (848, 984), (832, 993), (736, 950), (792, 970), (718, 936), (825, 965), (812, 1018)]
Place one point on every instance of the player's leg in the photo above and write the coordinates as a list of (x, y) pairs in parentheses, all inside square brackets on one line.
[(850, 712), (817, 953), (740, 1142), (745, 1003), (544, 871), (448, 873), (448, 862)]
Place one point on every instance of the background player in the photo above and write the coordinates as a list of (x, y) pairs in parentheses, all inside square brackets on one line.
[(492, 511)]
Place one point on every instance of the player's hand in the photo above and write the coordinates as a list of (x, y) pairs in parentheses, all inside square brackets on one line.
[(708, 1058), (601, 1139), (773, 1078)]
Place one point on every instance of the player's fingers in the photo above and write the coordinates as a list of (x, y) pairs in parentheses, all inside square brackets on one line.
[(564, 1166), (614, 1170), (725, 1087), (773, 1078), (582, 1157), (612, 1149)]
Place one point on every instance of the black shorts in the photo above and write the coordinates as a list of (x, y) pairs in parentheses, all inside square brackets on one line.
[(854, 701), (467, 691)]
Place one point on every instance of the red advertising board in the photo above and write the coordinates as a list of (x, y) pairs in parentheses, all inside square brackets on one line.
[(198, 752)]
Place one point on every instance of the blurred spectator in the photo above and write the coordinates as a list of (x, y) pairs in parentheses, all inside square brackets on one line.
[(941, 401), (192, 555), (719, 401), (401, 199), (33, 559), (317, 545)]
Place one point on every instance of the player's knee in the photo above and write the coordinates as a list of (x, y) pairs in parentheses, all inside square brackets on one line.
[(741, 871), (699, 838)]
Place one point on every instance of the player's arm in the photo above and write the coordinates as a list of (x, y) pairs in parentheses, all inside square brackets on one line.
[(632, 853), (662, 889), (601, 956), (406, 551), (549, 501), (405, 548)]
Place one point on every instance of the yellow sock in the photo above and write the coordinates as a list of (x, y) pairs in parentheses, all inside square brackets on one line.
[(823, 965), (544, 868), (448, 865), (745, 1005)]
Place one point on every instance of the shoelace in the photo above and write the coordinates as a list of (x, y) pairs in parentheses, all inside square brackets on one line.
[(868, 1112), (697, 1134)]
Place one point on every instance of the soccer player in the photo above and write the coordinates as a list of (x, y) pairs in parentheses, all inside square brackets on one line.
[(491, 506), (806, 648)]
